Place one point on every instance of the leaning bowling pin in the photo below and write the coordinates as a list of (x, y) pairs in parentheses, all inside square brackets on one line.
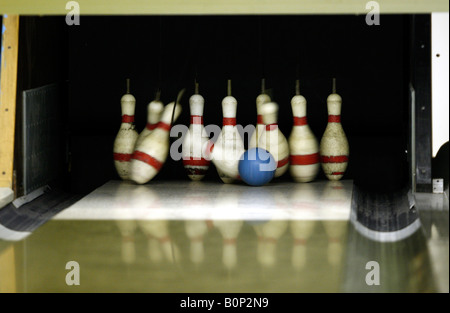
[(272, 139), (226, 152), (334, 149), (260, 100), (154, 111), (195, 140), (150, 155), (303, 145), (126, 137)]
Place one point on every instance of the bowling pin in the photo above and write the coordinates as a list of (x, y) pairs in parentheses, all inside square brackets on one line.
[(154, 111), (260, 100), (272, 139), (195, 140), (226, 152), (230, 231), (303, 145), (150, 155), (195, 230), (126, 137), (334, 149)]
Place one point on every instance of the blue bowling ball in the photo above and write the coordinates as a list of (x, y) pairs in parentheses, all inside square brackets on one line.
[(257, 167)]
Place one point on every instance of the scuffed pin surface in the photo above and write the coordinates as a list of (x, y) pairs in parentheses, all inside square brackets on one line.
[(334, 148), (126, 137), (229, 147), (195, 141), (154, 112), (303, 144), (151, 154), (273, 140)]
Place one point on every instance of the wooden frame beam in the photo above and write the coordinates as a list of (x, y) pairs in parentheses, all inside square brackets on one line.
[(8, 90), (130, 7)]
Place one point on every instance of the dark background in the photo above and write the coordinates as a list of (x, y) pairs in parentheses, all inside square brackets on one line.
[(370, 64)]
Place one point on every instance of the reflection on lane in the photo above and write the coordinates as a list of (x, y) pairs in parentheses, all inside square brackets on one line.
[(198, 200), (289, 244)]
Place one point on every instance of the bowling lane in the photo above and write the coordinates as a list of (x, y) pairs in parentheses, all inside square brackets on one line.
[(318, 237)]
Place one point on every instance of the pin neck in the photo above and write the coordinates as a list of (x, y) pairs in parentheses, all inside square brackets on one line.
[(334, 118), (259, 120), (151, 126), (300, 121), (127, 118), (229, 121), (163, 126), (271, 127), (197, 119)]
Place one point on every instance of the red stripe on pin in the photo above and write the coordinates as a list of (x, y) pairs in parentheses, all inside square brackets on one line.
[(127, 118), (271, 127), (259, 120), (196, 162), (334, 159), (337, 173), (283, 162), (334, 118), (305, 159), (300, 121), (151, 126), (229, 121), (122, 157), (209, 147), (196, 119), (163, 126), (148, 159)]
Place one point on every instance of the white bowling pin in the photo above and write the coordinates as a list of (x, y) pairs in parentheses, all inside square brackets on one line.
[(230, 231), (195, 140), (226, 152), (150, 155), (154, 111), (272, 139), (301, 231), (334, 149), (195, 230), (303, 145), (260, 100), (126, 137)]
